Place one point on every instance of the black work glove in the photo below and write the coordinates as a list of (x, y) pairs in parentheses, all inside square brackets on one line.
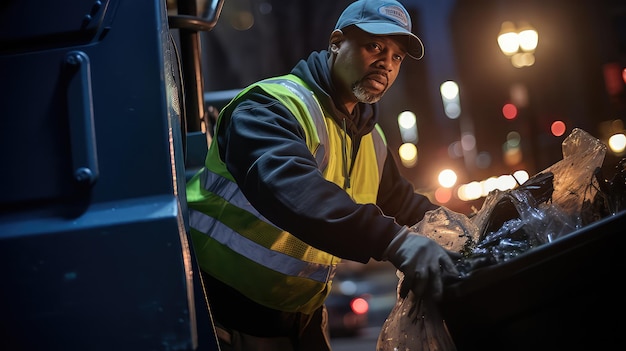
[(424, 263)]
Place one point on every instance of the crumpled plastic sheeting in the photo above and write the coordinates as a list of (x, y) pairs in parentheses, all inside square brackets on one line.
[(573, 175), (514, 223), (452, 230), (547, 206), (418, 325), (414, 325)]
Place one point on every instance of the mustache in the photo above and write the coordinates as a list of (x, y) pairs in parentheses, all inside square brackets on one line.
[(380, 76)]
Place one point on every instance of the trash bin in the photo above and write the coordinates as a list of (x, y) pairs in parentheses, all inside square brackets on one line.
[(565, 295)]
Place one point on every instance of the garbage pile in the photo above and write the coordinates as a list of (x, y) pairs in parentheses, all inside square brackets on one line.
[(565, 197)]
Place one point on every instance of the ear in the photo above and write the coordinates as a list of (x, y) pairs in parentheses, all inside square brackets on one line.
[(335, 39)]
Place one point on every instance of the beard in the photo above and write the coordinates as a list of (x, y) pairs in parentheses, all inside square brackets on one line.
[(363, 95)]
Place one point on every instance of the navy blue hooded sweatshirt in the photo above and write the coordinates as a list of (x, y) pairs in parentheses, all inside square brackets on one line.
[(264, 148)]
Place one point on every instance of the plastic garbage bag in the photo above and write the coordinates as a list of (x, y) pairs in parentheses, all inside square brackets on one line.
[(547, 206), (414, 325), (583, 155), (610, 197), (417, 325)]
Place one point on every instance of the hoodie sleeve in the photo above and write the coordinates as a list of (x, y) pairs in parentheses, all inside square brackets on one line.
[(264, 148), (397, 196)]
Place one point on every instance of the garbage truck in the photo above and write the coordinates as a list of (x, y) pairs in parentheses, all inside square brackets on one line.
[(98, 98)]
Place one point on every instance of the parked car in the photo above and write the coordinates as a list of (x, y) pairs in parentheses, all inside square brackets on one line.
[(347, 309), (362, 296)]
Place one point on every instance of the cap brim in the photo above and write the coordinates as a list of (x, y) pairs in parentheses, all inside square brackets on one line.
[(415, 49)]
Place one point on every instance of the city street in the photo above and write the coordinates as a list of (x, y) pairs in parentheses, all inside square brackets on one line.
[(364, 342)]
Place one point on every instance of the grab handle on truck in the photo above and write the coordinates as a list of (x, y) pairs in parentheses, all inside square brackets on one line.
[(81, 119)]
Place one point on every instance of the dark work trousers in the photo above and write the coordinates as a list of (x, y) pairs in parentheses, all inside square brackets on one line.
[(243, 325)]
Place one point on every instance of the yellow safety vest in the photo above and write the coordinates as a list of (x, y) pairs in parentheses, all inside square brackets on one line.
[(237, 245)]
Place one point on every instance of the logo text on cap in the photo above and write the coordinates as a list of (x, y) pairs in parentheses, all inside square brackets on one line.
[(395, 13)]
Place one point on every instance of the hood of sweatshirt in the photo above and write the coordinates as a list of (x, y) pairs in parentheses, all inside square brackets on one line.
[(315, 72)]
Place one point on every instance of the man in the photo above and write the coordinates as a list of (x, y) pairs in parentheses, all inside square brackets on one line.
[(298, 176)]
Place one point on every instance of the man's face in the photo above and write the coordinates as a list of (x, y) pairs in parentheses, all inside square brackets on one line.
[(366, 65)]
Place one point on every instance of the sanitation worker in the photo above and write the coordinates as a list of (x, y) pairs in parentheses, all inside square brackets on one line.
[(298, 176)]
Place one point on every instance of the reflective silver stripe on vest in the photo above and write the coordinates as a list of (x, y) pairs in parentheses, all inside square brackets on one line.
[(275, 260), (306, 96), (227, 190), (381, 151)]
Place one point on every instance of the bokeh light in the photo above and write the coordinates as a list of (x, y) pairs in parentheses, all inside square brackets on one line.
[(443, 195), (617, 143), (447, 178), (509, 111), (558, 128), (408, 154)]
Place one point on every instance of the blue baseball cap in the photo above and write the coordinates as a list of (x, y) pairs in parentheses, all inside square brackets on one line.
[(382, 17)]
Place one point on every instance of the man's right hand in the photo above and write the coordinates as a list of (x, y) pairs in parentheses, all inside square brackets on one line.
[(424, 263)]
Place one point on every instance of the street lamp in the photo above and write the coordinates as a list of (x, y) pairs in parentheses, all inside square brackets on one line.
[(518, 43)]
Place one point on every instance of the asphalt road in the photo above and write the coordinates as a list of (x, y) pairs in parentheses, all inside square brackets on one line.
[(364, 342)]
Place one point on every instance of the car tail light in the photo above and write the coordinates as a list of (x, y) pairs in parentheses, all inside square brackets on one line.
[(359, 305)]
